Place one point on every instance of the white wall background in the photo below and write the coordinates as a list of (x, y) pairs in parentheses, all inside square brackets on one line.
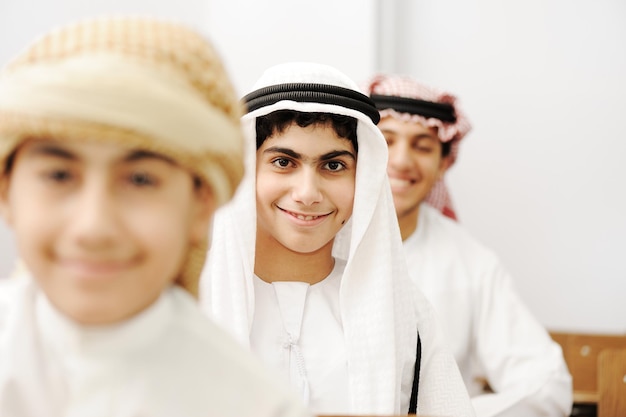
[(254, 35), (540, 177)]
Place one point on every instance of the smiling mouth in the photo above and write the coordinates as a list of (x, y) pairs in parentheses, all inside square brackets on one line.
[(305, 217), (397, 182), (96, 268)]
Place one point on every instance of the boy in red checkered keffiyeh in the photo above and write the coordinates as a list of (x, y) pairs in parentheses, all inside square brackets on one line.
[(494, 337), (402, 99)]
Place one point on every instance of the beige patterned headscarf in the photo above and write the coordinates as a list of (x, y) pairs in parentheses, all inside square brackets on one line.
[(149, 84)]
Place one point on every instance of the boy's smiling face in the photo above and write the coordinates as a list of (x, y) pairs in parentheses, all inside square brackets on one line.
[(415, 162), (102, 228), (305, 182)]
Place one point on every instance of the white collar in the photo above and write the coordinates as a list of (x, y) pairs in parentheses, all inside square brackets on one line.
[(66, 337)]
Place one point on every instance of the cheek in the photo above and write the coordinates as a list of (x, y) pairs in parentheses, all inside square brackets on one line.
[(33, 210), (268, 187), (344, 193), (161, 223), (31, 225), (429, 165), (165, 238), (396, 151)]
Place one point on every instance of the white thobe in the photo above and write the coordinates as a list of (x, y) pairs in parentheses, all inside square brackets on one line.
[(169, 360), (380, 308), (297, 330), (492, 334)]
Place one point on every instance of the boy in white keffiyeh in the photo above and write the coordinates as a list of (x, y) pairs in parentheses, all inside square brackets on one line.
[(118, 139), (306, 266), (494, 338)]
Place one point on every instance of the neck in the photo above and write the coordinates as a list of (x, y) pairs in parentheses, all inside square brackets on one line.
[(408, 222), (274, 262)]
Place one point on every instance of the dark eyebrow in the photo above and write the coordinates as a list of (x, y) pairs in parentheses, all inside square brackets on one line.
[(50, 149), (286, 151), (336, 154), (140, 155), (296, 155), (418, 136), (426, 136)]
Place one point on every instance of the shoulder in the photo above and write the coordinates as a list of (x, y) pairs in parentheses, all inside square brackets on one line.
[(444, 254), (443, 232), (204, 355), (443, 227), (196, 332)]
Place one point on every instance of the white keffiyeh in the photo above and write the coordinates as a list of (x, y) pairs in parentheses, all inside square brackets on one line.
[(379, 311)]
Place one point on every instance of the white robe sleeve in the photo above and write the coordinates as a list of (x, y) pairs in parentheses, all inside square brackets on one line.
[(492, 334), (522, 364)]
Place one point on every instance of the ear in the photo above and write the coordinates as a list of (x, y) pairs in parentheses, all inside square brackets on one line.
[(202, 213)]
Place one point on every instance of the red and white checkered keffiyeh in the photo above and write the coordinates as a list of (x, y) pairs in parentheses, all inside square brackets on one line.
[(404, 86)]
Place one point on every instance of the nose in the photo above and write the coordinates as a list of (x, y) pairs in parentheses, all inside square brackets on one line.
[(306, 187), (94, 222), (400, 156)]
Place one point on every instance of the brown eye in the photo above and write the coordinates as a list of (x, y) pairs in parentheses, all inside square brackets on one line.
[(281, 162), (58, 175), (142, 179), (334, 166)]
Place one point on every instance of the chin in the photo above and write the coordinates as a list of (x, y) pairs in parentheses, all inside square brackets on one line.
[(94, 312), (302, 246)]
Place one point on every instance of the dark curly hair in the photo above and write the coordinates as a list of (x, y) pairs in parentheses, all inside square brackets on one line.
[(278, 121)]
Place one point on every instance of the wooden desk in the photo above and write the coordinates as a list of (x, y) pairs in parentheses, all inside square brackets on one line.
[(612, 383), (585, 404), (586, 397), (582, 352)]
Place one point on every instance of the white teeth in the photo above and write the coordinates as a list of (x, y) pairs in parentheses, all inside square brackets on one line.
[(395, 182), (301, 217)]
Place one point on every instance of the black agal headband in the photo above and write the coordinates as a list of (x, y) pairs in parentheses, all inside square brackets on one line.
[(441, 111), (312, 93)]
